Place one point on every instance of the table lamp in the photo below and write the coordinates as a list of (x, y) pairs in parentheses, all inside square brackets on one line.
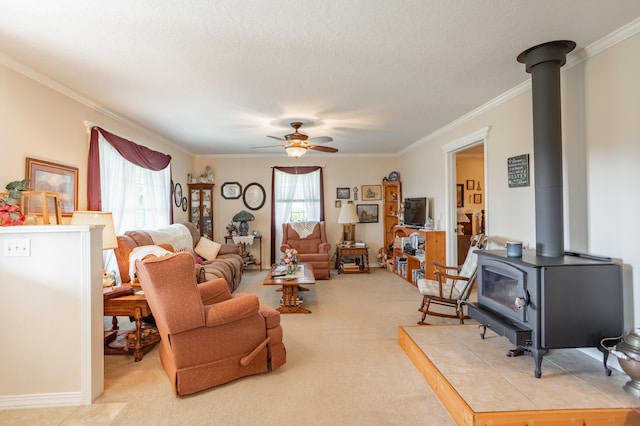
[(109, 240), (348, 218), (461, 218)]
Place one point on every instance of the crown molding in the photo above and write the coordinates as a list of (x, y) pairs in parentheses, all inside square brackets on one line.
[(617, 36), (52, 84)]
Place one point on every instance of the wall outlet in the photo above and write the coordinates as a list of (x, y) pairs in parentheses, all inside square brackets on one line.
[(17, 247)]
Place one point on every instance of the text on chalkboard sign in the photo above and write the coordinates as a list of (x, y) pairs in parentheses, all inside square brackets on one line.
[(518, 171)]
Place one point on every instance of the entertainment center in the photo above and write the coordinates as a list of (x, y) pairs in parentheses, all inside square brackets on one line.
[(413, 251)]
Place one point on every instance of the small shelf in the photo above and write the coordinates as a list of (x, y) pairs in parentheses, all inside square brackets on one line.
[(405, 263)]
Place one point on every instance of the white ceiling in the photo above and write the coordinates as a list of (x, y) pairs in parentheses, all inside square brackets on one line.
[(218, 76)]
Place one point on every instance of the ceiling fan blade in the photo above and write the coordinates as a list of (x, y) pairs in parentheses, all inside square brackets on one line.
[(323, 148), (320, 139), (267, 146), (277, 138)]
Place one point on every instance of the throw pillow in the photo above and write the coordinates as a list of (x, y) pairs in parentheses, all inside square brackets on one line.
[(207, 249)]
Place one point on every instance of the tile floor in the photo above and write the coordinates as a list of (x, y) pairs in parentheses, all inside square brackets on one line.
[(488, 380)]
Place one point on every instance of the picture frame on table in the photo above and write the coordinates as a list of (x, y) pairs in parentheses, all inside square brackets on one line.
[(367, 213), (343, 193), (53, 177), (371, 192), (338, 203)]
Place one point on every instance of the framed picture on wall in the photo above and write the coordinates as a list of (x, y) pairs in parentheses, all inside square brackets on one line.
[(371, 192), (470, 185), (460, 194), (477, 198), (46, 176), (367, 213), (343, 193)]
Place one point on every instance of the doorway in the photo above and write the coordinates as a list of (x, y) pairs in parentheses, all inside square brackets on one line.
[(465, 164)]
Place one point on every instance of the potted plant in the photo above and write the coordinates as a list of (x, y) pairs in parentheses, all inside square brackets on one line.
[(10, 212)]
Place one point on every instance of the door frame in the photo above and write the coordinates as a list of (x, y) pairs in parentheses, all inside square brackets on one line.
[(479, 137)]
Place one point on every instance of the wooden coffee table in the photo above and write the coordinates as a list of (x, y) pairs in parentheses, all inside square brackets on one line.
[(135, 306), (290, 289)]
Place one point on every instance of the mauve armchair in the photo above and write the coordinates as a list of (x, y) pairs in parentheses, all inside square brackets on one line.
[(312, 248), (208, 336)]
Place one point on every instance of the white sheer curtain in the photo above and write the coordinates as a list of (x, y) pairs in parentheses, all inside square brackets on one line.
[(137, 197), (290, 189)]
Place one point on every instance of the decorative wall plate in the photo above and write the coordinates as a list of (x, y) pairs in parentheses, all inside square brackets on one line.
[(254, 196), (177, 194), (231, 190)]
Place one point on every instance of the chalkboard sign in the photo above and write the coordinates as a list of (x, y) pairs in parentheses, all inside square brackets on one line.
[(518, 171)]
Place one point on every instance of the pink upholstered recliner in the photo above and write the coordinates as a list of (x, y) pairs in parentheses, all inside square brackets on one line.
[(208, 336), (312, 248)]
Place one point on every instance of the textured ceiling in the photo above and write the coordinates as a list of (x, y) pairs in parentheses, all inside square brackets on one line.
[(217, 77)]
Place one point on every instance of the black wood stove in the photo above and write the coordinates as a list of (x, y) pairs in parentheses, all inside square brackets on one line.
[(541, 303), (548, 299)]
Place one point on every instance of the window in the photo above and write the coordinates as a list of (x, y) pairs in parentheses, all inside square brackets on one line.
[(138, 197), (297, 197)]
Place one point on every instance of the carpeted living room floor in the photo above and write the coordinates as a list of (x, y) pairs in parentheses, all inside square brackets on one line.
[(344, 366)]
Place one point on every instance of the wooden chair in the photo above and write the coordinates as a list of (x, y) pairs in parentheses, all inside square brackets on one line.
[(452, 285)]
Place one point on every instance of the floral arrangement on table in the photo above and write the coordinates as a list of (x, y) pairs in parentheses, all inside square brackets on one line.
[(290, 259), (10, 212)]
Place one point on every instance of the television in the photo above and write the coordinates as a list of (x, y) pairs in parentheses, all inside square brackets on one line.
[(416, 212)]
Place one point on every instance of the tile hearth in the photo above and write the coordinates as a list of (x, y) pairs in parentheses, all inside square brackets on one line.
[(476, 381)]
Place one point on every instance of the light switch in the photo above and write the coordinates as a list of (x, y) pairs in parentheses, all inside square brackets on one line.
[(17, 247)]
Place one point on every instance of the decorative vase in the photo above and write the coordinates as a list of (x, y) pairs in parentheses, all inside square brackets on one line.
[(292, 268)]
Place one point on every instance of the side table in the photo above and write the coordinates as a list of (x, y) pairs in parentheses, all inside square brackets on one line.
[(241, 241), (350, 251), (135, 306)]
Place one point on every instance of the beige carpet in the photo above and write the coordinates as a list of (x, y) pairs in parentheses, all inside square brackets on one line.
[(344, 366)]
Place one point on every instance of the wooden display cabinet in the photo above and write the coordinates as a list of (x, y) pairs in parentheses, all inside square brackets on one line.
[(201, 207), (434, 251), (391, 207)]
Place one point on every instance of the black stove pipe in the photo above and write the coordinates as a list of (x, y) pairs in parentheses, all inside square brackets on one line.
[(543, 62)]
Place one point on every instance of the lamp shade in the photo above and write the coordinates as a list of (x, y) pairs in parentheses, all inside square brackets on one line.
[(109, 240), (348, 213), (295, 151), (462, 218)]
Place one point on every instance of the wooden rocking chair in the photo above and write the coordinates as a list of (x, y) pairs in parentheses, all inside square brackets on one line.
[(453, 284)]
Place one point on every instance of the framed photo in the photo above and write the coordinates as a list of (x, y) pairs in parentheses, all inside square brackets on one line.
[(371, 192), (477, 198), (460, 194), (471, 185), (231, 190), (177, 194), (343, 193), (254, 196), (46, 176), (338, 203), (367, 213)]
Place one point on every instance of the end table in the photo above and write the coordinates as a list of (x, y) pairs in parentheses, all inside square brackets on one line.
[(357, 251)]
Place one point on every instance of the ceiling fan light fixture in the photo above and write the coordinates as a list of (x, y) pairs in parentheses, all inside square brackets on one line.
[(295, 151)]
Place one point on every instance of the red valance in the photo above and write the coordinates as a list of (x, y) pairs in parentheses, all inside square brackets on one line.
[(137, 154)]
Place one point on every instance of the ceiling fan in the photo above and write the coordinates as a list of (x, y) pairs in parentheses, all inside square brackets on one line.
[(296, 144)]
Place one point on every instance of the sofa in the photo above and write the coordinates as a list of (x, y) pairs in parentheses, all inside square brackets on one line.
[(226, 262), (310, 240)]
